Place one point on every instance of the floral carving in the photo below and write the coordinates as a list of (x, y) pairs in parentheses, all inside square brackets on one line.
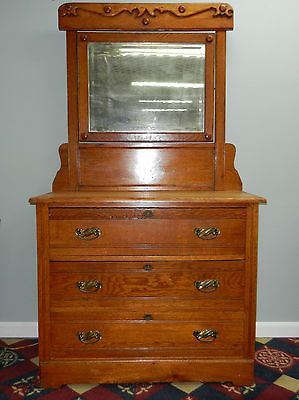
[(149, 11)]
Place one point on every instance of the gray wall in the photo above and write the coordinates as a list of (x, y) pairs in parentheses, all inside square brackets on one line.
[(262, 121)]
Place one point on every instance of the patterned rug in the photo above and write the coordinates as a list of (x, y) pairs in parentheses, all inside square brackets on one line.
[(276, 378)]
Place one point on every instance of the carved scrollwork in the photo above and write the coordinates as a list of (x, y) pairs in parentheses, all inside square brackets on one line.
[(223, 10), (68, 10), (148, 12)]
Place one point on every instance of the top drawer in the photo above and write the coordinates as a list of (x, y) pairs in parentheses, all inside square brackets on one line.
[(206, 228)]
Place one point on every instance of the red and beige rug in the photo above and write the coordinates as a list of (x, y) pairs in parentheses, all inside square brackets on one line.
[(276, 378)]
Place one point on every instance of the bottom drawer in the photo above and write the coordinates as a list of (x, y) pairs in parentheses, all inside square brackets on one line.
[(96, 339)]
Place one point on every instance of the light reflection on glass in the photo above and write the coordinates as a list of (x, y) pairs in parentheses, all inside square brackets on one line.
[(164, 109), (124, 76), (169, 84), (166, 101), (168, 50)]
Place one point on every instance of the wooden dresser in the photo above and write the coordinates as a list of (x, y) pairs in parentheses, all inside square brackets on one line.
[(147, 246)]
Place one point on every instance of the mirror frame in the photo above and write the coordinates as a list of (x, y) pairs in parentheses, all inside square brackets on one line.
[(208, 39)]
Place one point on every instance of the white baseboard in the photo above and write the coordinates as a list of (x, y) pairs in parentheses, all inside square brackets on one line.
[(263, 329), (277, 329), (18, 329)]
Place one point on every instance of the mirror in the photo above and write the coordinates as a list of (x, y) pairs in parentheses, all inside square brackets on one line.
[(146, 87)]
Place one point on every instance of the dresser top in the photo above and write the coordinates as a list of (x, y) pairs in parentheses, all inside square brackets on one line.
[(145, 198)]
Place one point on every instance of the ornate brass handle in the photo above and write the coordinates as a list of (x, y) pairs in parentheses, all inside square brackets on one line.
[(206, 335), (208, 285), (88, 233), (89, 337), (207, 233), (89, 286)]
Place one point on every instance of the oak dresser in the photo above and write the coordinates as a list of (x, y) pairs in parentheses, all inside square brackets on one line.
[(147, 245)]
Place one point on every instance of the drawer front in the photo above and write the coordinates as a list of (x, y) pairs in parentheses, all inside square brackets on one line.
[(181, 290), (146, 308), (214, 280), (197, 228), (94, 338)]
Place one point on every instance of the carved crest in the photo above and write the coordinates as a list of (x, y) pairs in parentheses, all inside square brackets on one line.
[(148, 12)]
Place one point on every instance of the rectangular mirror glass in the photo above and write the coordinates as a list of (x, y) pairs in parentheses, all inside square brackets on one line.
[(146, 87)]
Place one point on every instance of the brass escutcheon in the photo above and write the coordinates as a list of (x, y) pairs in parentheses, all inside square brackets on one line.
[(148, 317), (147, 214), (147, 267)]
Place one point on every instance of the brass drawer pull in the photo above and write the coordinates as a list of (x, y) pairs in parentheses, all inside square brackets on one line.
[(147, 267), (208, 285), (147, 214), (89, 286), (206, 335), (207, 233), (88, 233), (89, 337)]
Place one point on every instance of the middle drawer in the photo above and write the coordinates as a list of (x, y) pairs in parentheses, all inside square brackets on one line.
[(126, 289)]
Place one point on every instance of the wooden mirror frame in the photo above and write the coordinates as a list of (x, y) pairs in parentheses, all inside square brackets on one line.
[(91, 18), (195, 38)]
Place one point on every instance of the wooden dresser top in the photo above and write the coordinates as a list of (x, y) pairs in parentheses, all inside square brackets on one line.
[(146, 198)]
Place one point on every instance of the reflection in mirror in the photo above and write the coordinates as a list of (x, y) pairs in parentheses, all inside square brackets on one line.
[(146, 87)]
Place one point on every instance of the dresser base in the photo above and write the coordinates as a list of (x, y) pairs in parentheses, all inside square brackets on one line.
[(56, 373), (147, 299)]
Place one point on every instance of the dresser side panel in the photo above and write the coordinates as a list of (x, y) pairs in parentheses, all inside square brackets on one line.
[(43, 280)]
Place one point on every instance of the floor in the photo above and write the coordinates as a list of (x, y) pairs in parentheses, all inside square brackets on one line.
[(276, 377)]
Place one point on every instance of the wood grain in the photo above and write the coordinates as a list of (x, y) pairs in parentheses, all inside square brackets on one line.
[(43, 279), (155, 284), (220, 91), (110, 168), (136, 308), (73, 153), (145, 16), (84, 213), (143, 334), (174, 166), (147, 193), (171, 199), (148, 232), (236, 370), (148, 253)]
